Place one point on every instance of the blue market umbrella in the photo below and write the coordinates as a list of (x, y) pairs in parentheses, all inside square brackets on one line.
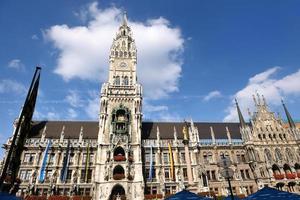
[(6, 196), (229, 198), (186, 195), (270, 193)]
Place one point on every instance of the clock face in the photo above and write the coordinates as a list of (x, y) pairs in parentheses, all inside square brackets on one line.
[(123, 64)]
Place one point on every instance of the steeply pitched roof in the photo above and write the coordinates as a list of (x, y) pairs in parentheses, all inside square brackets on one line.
[(166, 129), (149, 129), (71, 131)]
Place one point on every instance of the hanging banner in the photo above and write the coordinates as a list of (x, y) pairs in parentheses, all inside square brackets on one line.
[(44, 163), (64, 170)]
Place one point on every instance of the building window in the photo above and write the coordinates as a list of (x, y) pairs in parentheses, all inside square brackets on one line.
[(208, 175), (210, 157), (69, 176), (251, 189), (48, 175), (84, 158), (213, 175), (238, 158), (185, 175), (167, 173), (247, 174), (233, 190), (205, 158), (148, 173), (154, 190), (117, 80), (51, 158), (71, 159), (85, 173), (125, 81), (182, 158), (28, 158), (166, 158), (242, 174), (278, 155), (147, 158), (168, 190), (25, 175), (204, 180)]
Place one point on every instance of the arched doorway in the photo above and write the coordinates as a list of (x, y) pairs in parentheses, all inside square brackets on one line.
[(117, 192)]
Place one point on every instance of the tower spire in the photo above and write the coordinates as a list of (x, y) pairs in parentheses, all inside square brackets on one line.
[(288, 116), (124, 23), (241, 118)]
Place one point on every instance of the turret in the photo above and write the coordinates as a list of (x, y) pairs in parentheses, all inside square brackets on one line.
[(288, 116), (241, 118)]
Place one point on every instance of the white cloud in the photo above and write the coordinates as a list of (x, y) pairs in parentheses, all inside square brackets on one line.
[(93, 106), (50, 115), (212, 95), (84, 50), (34, 37), (148, 108), (74, 99), (72, 113), (16, 64), (11, 86), (158, 112), (263, 83)]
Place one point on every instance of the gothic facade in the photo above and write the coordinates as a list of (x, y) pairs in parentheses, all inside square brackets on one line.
[(122, 157)]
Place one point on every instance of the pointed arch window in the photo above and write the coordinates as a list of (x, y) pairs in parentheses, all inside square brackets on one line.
[(117, 80), (278, 155), (289, 155), (125, 80), (268, 155), (257, 157)]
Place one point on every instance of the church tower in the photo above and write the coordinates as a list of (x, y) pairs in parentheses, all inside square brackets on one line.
[(119, 161)]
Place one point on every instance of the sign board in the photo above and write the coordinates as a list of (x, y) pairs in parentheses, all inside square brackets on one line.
[(227, 173), (224, 162)]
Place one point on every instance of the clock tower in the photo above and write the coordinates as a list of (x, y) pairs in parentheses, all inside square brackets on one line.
[(119, 161)]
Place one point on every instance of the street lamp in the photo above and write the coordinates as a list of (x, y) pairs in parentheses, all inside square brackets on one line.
[(226, 172)]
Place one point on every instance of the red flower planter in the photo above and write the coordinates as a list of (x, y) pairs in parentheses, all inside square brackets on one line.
[(34, 197), (153, 196), (118, 176), (291, 176), (81, 198), (119, 158), (279, 176), (57, 197)]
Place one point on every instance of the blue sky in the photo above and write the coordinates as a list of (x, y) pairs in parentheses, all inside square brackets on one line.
[(193, 58)]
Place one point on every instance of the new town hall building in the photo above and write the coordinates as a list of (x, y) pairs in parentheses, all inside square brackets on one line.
[(121, 157)]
